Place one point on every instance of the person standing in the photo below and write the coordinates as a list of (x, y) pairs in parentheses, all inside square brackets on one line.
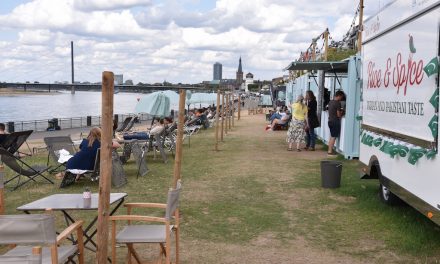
[(312, 121), (2, 129), (296, 133), (335, 113), (3, 133)]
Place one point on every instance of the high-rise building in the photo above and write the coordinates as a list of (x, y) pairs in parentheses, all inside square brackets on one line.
[(119, 79), (217, 72)]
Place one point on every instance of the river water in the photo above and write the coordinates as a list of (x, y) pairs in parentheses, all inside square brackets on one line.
[(61, 105)]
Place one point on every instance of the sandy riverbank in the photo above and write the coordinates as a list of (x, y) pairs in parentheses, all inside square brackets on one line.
[(21, 91)]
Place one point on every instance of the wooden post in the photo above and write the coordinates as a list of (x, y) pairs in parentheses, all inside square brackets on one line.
[(239, 107), (361, 25), (223, 116), (217, 112), (106, 166), (233, 109), (179, 141), (2, 193), (230, 111), (226, 113), (326, 44)]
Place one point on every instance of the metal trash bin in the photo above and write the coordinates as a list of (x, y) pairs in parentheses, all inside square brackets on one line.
[(52, 125), (11, 127), (331, 173), (89, 121)]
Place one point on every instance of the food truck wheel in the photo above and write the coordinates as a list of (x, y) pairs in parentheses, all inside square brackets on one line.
[(387, 197)]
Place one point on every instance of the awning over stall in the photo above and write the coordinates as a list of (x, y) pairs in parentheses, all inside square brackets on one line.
[(333, 66)]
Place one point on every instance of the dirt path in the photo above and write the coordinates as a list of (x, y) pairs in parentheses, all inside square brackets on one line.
[(262, 159)]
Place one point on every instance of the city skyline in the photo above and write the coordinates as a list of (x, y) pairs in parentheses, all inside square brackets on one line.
[(151, 41)]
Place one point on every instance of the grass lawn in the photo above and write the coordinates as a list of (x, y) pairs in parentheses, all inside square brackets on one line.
[(254, 202)]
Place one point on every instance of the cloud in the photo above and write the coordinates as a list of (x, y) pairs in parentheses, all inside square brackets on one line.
[(61, 16), (34, 37), (151, 41), (93, 5)]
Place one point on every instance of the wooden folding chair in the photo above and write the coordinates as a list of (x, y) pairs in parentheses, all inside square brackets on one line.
[(24, 232), (34, 258), (149, 233)]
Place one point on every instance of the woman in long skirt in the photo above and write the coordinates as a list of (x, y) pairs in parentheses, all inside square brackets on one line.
[(296, 133)]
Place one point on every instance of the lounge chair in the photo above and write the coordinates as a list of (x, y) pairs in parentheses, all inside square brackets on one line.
[(170, 138), (13, 141), (149, 233), (22, 169), (124, 124), (119, 178), (139, 156), (158, 145), (131, 124), (55, 144), (38, 230)]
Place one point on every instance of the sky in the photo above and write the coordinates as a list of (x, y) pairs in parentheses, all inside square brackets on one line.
[(154, 41)]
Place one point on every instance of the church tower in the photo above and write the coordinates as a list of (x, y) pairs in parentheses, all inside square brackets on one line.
[(239, 76)]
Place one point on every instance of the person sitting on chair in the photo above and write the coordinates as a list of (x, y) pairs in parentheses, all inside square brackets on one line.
[(282, 121), (200, 119), (168, 122), (84, 159)]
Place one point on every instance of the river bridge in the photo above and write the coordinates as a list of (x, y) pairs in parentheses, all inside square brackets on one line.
[(144, 88)]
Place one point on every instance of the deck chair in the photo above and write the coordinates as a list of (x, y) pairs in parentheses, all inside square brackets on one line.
[(131, 124), (119, 178), (139, 157), (169, 142), (70, 177), (124, 124), (25, 232), (54, 144), (158, 145), (13, 141), (159, 233), (22, 169)]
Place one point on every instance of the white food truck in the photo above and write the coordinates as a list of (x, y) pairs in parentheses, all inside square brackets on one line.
[(400, 102)]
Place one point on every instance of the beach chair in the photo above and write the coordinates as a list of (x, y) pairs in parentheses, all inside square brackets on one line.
[(170, 138), (22, 169), (71, 176), (35, 233), (158, 145), (14, 141), (159, 233), (119, 178), (131, 124), (139, 157), (54, 144), (124, 124)]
